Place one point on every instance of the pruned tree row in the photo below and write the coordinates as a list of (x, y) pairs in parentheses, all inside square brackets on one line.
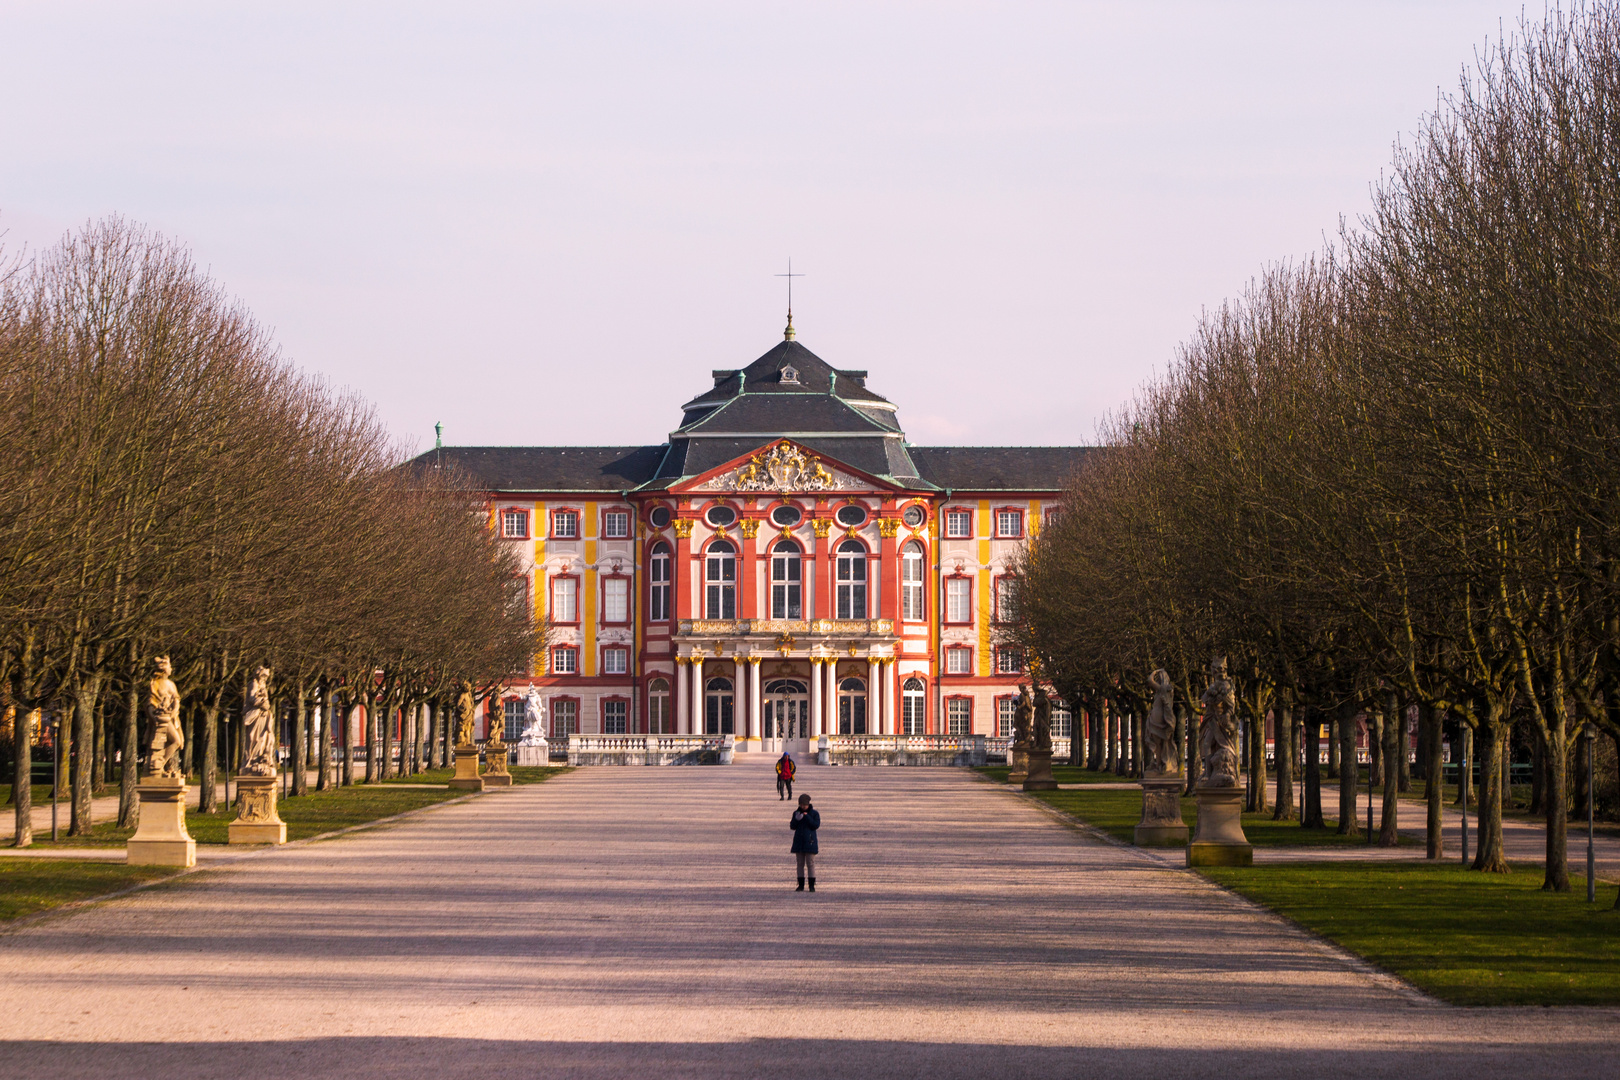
[(1385, 482), (169, 485)]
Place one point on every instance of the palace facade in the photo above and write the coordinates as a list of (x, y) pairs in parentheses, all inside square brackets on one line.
[(784, 565)]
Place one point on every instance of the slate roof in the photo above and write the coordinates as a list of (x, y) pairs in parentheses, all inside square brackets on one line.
[(829, 410), (552, 468), (1000, 468)]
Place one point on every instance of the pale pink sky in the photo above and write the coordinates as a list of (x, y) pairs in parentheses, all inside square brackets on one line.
[(545, 223)]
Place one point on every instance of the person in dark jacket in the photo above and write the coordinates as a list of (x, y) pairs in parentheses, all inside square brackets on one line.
[(784, 776), (804, 825)]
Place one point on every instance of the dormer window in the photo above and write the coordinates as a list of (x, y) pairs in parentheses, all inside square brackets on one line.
[(790, 376)]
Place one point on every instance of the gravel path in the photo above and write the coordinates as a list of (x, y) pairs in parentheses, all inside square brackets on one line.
[(619, 922)]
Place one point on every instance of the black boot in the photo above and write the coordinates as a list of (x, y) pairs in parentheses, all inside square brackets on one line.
[(812, 884), (801, 886)]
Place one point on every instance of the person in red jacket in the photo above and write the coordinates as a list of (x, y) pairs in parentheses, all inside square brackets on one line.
[(784, 776)]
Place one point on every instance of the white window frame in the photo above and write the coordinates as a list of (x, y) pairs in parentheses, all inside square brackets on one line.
[(615, 599), (852, 576), (1006, 710), (1009, 660), (521, 517), (571, 532), (615, 660), (959, 600), (720, 581), (564, 716), (952, 517), (959, 716), (565, 599), (913, 573), (564, 660), (913, 707), (616, 525), (619, 725), (787, 581), (958, 654), (1016, 529), (658, 591)]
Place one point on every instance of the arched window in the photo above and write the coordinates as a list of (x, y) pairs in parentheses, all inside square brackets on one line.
[(787, 587), (720, 581), (658, 583), (851, 601), (658, 718), (719, 708), (852, 707), (911, 582), (911, 707)]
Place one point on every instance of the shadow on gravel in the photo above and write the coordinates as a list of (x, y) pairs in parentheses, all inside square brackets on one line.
[(484, 1059)]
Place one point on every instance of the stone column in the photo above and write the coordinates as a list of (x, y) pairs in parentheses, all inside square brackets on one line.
[(890, 727), (682, 701), (874, 672), (754, 706), (830, 696), (815, 697), (697, 695)]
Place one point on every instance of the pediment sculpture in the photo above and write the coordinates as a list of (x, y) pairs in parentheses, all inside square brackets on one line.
[(783, 467)]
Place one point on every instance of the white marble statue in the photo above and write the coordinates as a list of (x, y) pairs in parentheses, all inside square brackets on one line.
[(1164, 750), (259, 727), (534, 719), (163, 709)]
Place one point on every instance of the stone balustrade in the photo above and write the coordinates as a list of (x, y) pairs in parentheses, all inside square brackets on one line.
[(904, 749), (812, 627), (650, 749)]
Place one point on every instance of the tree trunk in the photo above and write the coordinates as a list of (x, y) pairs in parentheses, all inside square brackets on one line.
[(1538, 777), (1108, 737), (129, 806), (346, 739), (1375, 746), (1462, 752), (1403, 754), (1492, 748), (1333, 748), (86, 697), (208, 752), (22, 774), (1192, 757), (1284, 727), (323, 745), (98, 764), (1312, 816), (1389, 827), (300, 783), (1136, 742), (1557, 780), (1099, 735), (370, 727), (385, 718), (1257, 762), (1348, 773)]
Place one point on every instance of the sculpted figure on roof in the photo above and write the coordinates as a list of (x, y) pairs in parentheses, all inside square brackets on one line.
[(784, 467)]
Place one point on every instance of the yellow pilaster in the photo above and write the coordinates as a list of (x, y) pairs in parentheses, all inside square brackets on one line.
[(588, 582), (542, 597), (983, 612)]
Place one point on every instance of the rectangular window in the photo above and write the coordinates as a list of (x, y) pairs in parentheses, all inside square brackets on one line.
[(565, 599), (616, 524), (658, 721), (1006, 599), (615, 661), (959, 716), (615, 599), (911, 709), (658, 590), (1009, 661), (1010, 524), (911, 584), (515, 524), (1062, 720), (615, 717), (959, 524), (565, 525), (564, 660), (958, 600), (959, 661), (1005, 707), (564, 717)]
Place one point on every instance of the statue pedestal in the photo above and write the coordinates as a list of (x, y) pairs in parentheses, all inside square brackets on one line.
[(1219, 840), (495, 774), (1018, 758), (535, 753), (161, 838), (823, 750), (1161, 824), (1038, 771), (256, 819), (467, 778)]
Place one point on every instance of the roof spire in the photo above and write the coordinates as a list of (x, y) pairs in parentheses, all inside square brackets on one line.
[(788, 335)]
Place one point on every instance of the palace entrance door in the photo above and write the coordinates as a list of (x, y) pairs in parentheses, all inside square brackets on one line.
[(786, 720)]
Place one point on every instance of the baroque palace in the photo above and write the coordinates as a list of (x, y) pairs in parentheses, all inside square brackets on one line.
[(785, 566)]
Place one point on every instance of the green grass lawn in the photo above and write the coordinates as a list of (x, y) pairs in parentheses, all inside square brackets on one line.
[(521, 774), (1063, 774), (1117, 812), (1467, 938), (31, 885)]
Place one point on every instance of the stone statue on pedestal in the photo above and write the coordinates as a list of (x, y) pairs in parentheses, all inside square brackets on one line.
[(259, 727), (1023, 719), (534, 718), (497, 726), (1164, 750), (466, 712), (1043, 720), (1217, 735), (163, 706)]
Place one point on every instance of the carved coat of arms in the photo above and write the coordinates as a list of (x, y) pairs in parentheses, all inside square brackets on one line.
[(783, 467)]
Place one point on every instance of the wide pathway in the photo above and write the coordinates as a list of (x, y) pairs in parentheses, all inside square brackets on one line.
[(641, 921)]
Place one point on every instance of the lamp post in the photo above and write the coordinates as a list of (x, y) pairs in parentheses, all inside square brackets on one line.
[(56, 775)]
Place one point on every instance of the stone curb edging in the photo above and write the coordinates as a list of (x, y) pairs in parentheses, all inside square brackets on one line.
[(259, 851), (1388, 980)]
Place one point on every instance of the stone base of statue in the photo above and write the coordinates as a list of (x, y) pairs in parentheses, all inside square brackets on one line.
[(1038, 771), (467, 778), (537, 752), (256, 819), (1019, 760), (1219, 840), (161, 838), (1161, 824), (495, 774)]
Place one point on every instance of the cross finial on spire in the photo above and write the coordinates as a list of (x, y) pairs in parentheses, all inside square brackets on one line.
[(787, 335)]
